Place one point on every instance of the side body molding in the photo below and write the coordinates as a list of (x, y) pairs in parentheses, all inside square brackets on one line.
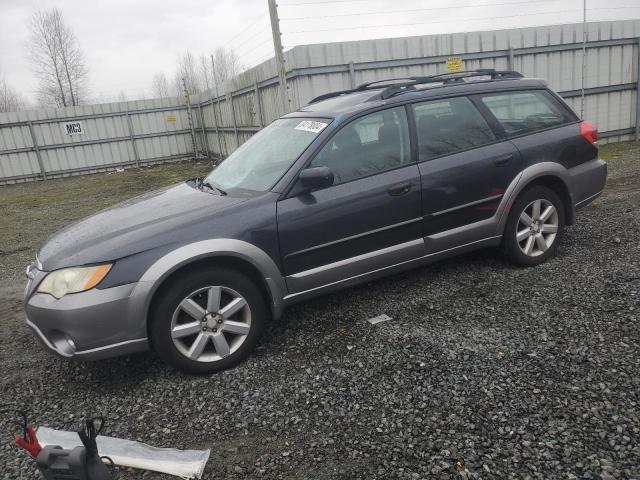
[(492, 228), (172, 261), (484, 233)]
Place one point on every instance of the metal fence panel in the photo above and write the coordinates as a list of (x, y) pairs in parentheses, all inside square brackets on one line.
[(159, 129), (133, 133), (272, 104)]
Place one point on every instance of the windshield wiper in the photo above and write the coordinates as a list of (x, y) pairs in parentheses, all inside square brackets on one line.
[(201, 182), (213, 187)]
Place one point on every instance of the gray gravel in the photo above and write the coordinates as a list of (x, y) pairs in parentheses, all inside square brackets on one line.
[(485, 371)]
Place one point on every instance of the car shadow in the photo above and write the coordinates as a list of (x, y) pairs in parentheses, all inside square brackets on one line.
[(127, 372)]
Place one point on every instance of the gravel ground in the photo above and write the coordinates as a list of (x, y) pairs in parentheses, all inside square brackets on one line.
[(485, 371)]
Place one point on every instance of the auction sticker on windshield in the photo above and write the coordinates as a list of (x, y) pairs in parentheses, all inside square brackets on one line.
[(310, 126)]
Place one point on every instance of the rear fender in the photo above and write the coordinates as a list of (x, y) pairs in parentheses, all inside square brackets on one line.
[(524, 179)]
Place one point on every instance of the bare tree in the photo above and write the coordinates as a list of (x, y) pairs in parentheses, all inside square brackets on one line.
[(197, 73), (227, 64), (10, 100), (205, 71), (160, 86), (46, 61), (188, 69), (57, 59), (71, 57)]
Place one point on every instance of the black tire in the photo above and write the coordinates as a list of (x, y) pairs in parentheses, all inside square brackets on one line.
[(180, 288), (511, 246)]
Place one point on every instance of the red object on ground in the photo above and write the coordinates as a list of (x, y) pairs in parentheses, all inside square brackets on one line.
[(29, 442)]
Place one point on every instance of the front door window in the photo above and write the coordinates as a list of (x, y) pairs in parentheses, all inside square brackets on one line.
[(367, 146)]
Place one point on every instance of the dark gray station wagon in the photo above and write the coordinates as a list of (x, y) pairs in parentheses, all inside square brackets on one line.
[(356, 185)]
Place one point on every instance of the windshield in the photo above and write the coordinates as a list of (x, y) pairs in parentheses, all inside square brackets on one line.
[(262, 160)]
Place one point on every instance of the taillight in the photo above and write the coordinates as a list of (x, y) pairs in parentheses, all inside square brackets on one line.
[(589, 132)]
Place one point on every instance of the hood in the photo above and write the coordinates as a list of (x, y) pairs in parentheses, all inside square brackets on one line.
[(141, 223)]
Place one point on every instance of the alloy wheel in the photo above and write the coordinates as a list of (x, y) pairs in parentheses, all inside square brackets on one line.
[(537, 227), (210, 323)]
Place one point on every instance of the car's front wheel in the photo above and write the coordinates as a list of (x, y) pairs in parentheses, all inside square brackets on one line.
[(207, 320), (534, 226)]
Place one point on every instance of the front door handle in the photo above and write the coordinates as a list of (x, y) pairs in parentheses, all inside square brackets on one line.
[(400, 189), (503, 159)]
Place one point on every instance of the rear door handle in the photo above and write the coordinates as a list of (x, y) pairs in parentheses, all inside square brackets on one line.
[(503, 159), (400, 189)]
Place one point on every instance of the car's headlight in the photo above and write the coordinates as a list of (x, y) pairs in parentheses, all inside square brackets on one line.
[(73, 280)]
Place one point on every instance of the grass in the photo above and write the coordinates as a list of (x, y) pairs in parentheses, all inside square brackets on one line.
[(33, 211), (622, 157)]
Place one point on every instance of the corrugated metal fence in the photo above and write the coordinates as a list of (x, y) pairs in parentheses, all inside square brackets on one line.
[(37, 143), (43, 143)]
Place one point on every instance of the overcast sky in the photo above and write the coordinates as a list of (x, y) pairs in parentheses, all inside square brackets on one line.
[(127, 41)]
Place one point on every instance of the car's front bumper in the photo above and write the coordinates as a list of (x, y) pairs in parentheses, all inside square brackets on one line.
[(89, 325)]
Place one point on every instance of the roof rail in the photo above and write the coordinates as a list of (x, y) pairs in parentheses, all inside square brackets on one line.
[(359, 88), (447, 78), (400, 85)]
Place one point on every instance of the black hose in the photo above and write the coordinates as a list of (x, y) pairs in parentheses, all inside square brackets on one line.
[(89, 434)]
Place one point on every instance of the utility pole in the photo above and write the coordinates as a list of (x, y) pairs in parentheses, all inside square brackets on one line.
[(214, 102), (584, 55), (279, 51), (190, 118)]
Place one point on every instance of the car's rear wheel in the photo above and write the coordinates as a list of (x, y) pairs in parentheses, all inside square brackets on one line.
[(207, 320), (534, 226)]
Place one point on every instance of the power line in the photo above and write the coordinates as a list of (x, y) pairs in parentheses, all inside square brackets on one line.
[(265, 47), (321, 2), (253, 48), (584, 56), (430, 23), (360, 14), (260, 59), (250, 49), (265, 42), (253, 37), (244, 30), (613, 8), (253, 55)]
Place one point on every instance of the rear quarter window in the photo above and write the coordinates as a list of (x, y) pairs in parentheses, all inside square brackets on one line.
[(526, 111)]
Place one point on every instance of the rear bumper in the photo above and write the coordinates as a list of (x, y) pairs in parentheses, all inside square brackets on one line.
[(90, 325), (587, 181)]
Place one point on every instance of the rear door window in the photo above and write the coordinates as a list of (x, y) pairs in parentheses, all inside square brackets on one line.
[(525, 112), (449, 125)]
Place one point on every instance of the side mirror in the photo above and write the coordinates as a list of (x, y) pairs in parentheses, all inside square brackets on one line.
[(315, 178)]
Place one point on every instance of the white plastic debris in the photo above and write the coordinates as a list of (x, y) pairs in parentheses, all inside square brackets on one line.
[(127, 453), (378, 319)]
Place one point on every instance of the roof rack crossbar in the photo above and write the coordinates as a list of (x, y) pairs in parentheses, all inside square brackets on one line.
[(402, 84)]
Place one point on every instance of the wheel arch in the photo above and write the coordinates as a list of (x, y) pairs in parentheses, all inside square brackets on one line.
[(213, 261), (237, 254), (556, 184), (549, 174)]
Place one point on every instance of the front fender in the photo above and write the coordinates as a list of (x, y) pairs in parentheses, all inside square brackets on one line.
[(172, 261)]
